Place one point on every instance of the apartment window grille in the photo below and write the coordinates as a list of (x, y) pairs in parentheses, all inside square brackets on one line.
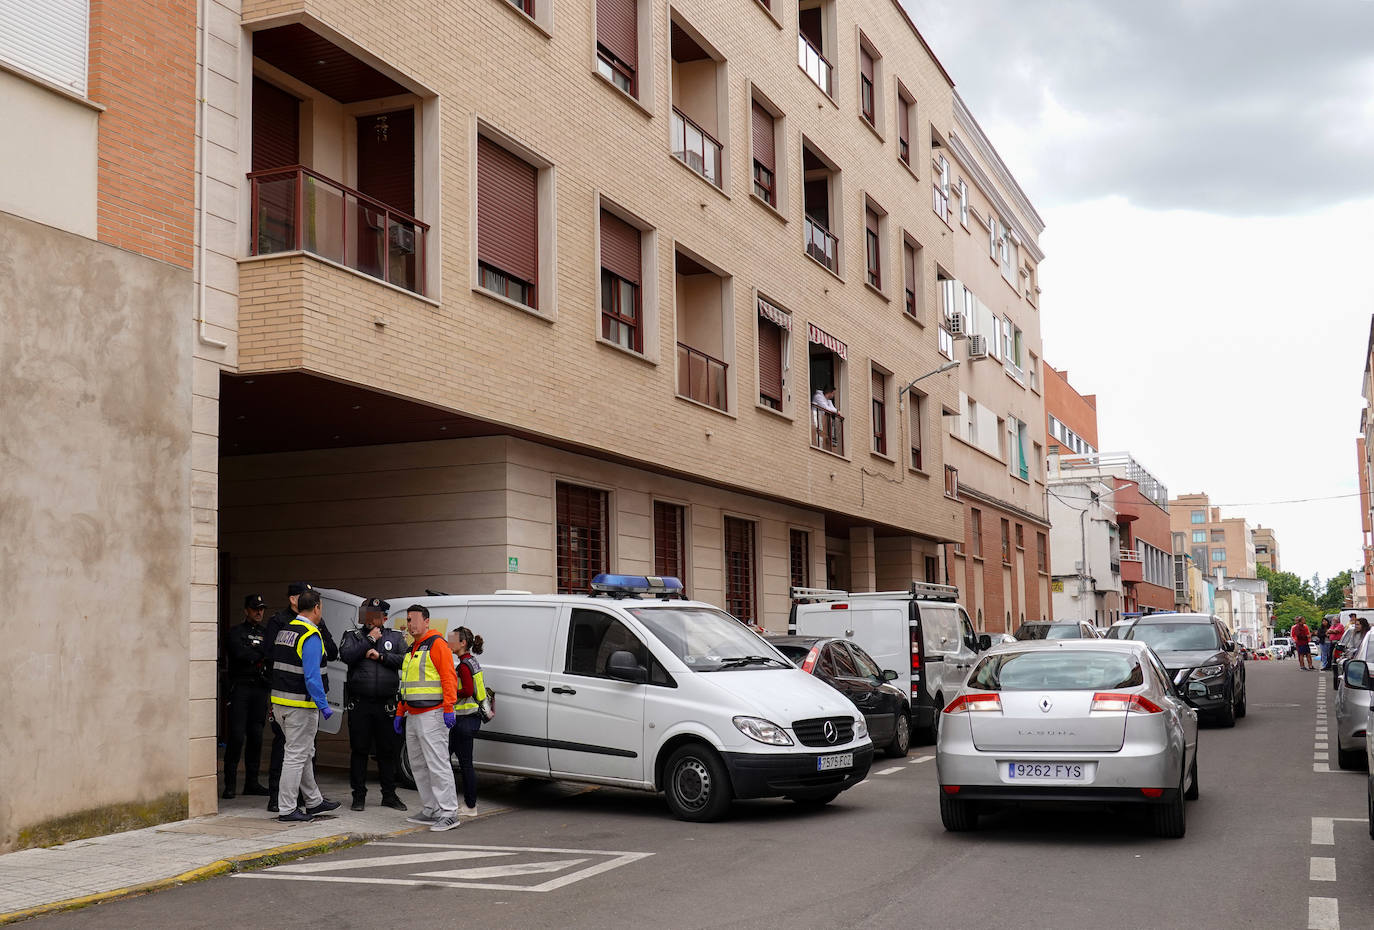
[(739, 570), (670, 540), (799, 558), (581, 537)]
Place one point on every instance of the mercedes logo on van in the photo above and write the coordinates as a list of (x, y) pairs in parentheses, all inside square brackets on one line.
[(829, 731), (1045, 705)]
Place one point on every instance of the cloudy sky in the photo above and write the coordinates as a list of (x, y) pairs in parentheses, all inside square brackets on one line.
[(1205, 169)]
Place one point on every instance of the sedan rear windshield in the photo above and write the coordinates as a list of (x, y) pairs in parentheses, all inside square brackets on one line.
[(1049, 631), (794, 652), (1176, 637), (1076, 670)]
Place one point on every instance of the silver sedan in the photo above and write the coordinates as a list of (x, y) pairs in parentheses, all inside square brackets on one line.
[(1092, 721), (1352, 709)]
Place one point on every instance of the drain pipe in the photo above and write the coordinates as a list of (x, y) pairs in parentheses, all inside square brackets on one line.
[(205, 338)]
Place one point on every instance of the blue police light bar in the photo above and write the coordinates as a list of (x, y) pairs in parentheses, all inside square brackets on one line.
[(636, 584)]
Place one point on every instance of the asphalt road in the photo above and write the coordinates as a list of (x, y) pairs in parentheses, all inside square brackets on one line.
[(1267, 822)]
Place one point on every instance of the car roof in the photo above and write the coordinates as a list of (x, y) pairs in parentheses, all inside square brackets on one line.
[(794, 639), (1077, 645), (1171, 618)]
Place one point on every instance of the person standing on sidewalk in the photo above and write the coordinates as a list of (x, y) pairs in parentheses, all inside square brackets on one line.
[(1319, 641), (247, 705), (298, 700), (1302, 643), (374, 655), (1333, 638), (275, 624), (429, 688), (472, 691)]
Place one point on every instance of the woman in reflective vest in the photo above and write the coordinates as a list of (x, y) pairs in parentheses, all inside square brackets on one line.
[(472, 691)]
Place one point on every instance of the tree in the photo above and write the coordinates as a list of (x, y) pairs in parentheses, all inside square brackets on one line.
[(1286, 584), (1292, 607), (1334, 597)]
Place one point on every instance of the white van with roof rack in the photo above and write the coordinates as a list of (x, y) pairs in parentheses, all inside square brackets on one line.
[(636, 687)]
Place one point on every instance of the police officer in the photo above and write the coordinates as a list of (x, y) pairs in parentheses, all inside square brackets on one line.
[(275, 625), (374, 656), (247, 704)]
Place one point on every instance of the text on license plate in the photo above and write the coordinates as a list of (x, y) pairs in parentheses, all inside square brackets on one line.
[(840, 760), (1060, 771)]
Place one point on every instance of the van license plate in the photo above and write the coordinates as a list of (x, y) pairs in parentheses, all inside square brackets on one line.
[(840, 760), (1046, 771)]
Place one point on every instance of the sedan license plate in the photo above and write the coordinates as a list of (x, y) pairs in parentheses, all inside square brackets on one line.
[(840, 760), (1046, 771)]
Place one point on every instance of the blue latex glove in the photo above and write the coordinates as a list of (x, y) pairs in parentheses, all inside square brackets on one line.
[(450, 719), (327, 712), (396, 725)]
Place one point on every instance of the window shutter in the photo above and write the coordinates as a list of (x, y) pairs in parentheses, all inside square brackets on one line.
[(770, 360), (904, 119), (507, 211), (276, 127), (763, 137), (880, 387), (871, 221), (909, 261), (620, 248), (866, 64), (386, 158), (47, 38), (617, 28)]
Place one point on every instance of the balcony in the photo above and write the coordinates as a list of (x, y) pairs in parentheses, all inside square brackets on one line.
[(695, 147), (827, 430), (1132, 567), (816, 66), (700, 377), (821, 245), (295, 209)]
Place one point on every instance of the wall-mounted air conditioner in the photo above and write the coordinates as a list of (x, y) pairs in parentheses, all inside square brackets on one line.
[(955, 325), (977, 346)]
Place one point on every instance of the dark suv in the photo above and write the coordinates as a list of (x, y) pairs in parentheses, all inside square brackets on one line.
[(1201, 656)]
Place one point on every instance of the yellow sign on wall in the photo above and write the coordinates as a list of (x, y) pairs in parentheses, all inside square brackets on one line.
[(1057, 587)]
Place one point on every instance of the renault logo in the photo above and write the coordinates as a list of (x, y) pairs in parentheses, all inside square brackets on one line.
[(829, 731), (1045, 705)]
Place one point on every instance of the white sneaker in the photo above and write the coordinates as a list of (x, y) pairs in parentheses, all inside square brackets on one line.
[(469, 811), (447, 823)]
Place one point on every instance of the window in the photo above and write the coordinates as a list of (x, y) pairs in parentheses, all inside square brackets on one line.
[(594, 636), (1040, 560), (940, 187), (932, 568), (799, 558), (739, 570), (906, 104), (952, 484), (1218, 536), (1039, 461), (524, 6), (507, 223), (1218, 555), (872, 249), (1006, 541), (911, 265), (617, 43), (581, 537), (1020, 536), (976, 531), (621, 314), (1199, 516), (971, 408), (916, 413), (946, 288), (867, 104), (963, 203), (827, 358), (48, 38), (815, 30), (1033, 369), (670, 540), (697, 93), (775, 329), (821, 207), (705, 348), (763, 136), (879, 412)]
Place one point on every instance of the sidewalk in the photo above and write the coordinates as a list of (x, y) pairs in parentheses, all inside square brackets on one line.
[(243, 834)]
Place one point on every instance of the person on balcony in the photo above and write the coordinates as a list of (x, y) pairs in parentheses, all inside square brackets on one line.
[(825, 399)]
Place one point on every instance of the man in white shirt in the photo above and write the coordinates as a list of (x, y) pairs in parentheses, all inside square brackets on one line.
[(825, 399)]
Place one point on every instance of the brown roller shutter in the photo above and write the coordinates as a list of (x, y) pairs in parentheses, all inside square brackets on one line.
[(386, 159), (879, 387), (763, 137), (770, 361), (507, 211), (866, 64), (617, 28), (904, 119), (619, 247), (871, 221), (276, 127)]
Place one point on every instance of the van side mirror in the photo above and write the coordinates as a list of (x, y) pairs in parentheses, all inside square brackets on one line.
[(1357, 675), (889, 675), (623, 666), (984, 642)]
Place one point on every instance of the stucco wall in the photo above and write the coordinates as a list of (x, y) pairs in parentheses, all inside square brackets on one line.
[(95, 416), (49, 176)]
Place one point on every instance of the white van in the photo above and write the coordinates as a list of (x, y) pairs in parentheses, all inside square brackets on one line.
[(652, 692), (922, 634)]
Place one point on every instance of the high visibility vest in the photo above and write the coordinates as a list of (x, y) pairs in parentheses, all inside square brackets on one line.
[(420, 683), (288, 667), (469, 705)]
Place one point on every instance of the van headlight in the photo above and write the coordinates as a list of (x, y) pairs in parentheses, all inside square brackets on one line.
[(860, 728), (764, 731)]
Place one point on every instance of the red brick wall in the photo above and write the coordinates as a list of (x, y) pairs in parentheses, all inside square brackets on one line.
[(1076, 411), (142, 69)]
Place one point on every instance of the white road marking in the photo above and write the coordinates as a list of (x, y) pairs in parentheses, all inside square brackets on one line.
[(1323, 831), (1321, 757), (1322, 768), (1323, 914), (1321, 744), (505, 871), (895, 768), (429, 858), (1322, 869), (920, 759)]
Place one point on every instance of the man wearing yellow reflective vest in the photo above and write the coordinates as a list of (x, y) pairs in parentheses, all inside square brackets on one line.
[(429, 689), (298, 700)]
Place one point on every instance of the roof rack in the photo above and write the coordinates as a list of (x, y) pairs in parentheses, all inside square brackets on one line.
[(919, 590)]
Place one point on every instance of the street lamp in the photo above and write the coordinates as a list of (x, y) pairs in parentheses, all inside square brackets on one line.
[(945, 367)]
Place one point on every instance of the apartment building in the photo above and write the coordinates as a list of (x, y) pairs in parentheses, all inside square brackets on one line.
[(1070, 417), (1362, 595), (1218, 546), (110, 691), (1266, 548)]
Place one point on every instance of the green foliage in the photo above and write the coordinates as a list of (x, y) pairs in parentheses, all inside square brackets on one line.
[(1286, 584), (1292, 607), (1334, 597)]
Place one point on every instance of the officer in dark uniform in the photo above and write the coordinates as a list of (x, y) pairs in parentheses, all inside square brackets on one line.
[(331, 651), (374, 655), (247, 704)]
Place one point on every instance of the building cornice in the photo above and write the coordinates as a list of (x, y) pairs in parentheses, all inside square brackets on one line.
[(1005, 505), (964, 118)]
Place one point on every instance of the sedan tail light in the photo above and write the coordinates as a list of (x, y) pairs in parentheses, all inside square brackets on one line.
[(1130, 703), (810, 661), (974, 703)]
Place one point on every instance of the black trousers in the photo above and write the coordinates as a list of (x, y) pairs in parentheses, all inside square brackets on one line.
[(247, 709), (370, 730), (460, 743)]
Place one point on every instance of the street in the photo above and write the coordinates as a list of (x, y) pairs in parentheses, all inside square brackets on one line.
[(1275, 840)]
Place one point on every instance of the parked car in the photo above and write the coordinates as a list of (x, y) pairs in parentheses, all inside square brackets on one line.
[(1353, 700), (1341, 650), (1200, 654), (1118, 628), (1070, 720), (1282, 646), (1057, 629), (852, 672)]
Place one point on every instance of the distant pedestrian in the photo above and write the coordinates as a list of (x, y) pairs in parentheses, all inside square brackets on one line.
[(249, 685), (1323, 644), (429, 689), (299, 703), (1302, 639), (374, 655), (329, 652), (472, 692), (1333, 638)]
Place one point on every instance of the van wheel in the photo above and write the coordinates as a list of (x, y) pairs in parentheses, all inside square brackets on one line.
[(813, 800), (901, 737), (696, 784), (957, 814), (931, 734)]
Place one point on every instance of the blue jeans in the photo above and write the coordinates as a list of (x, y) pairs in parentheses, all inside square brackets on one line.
[(1326, 655)]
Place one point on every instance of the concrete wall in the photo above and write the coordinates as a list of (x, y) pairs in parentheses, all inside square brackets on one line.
[(95, 554), (48, 175)]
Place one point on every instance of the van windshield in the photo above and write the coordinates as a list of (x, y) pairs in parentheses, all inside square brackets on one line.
[(708, 640)]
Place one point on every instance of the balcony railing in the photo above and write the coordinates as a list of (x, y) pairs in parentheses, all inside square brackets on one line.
[(701, 377), (695, 147), (1131, 555), (827, 430), (816, 66), (821, 245), (295, 210)]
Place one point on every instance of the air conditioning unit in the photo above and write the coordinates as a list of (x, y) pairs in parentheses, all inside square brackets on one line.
[(977, 346), (955, 325), (403, 239)]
